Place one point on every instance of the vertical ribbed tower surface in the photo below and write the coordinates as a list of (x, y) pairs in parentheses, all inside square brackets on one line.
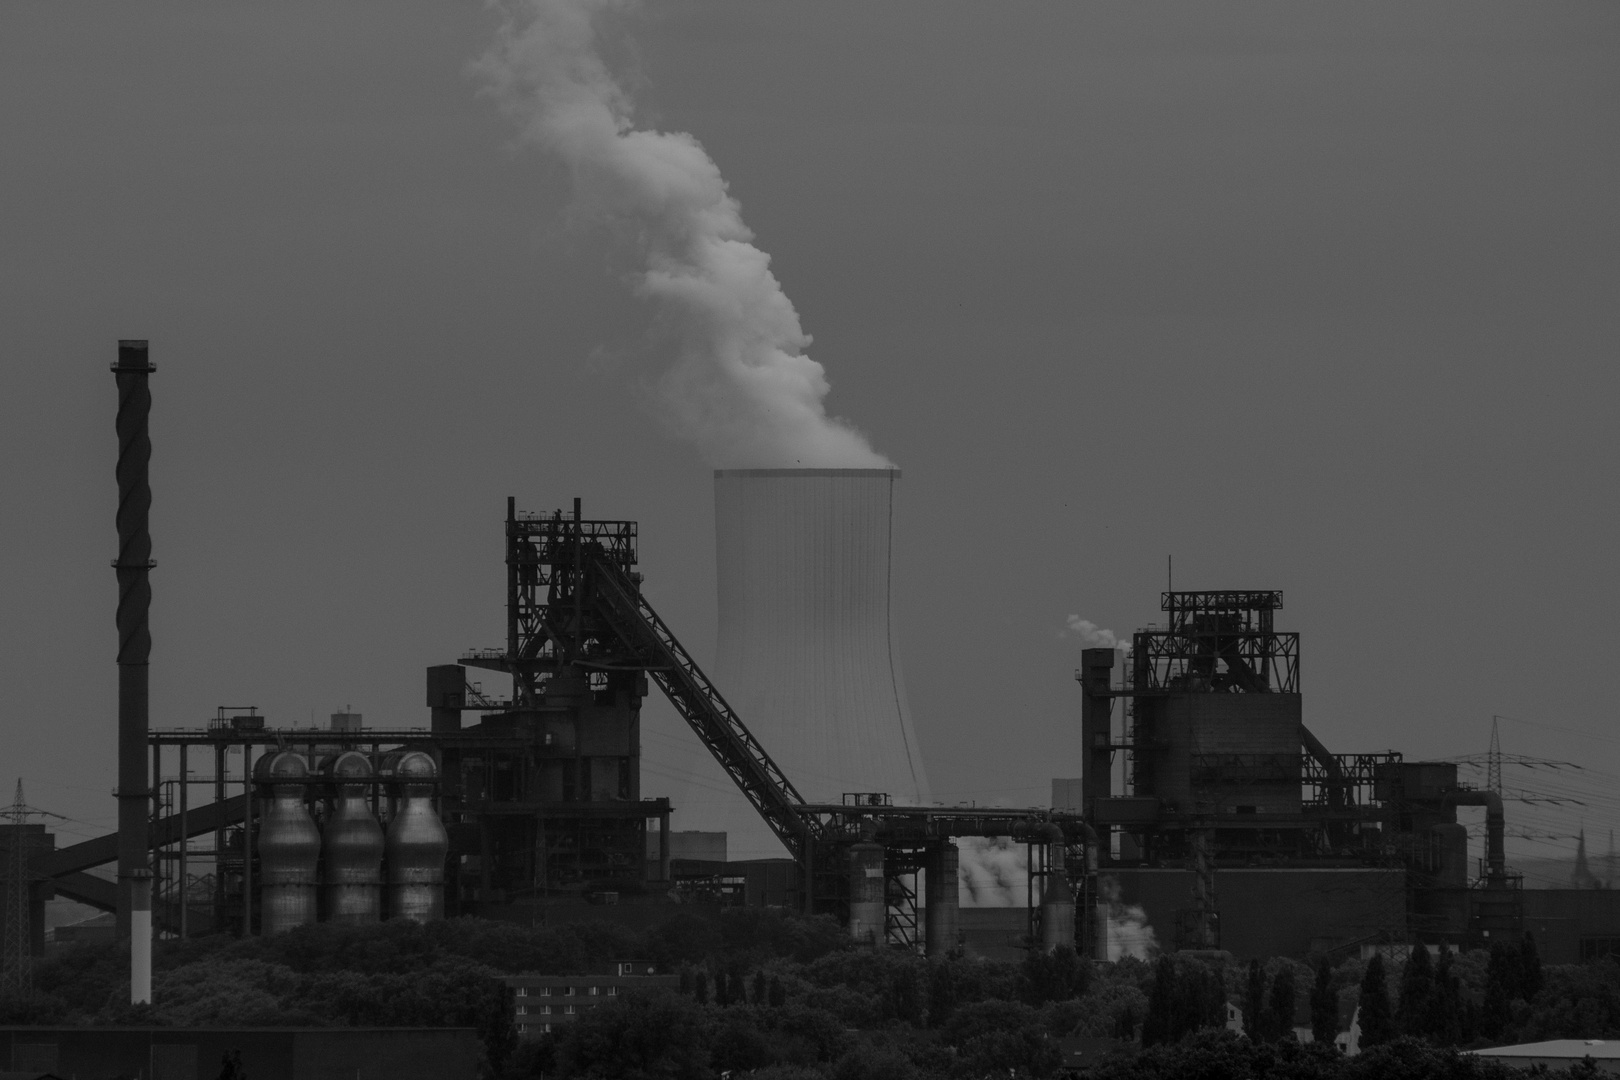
[(806, 639)]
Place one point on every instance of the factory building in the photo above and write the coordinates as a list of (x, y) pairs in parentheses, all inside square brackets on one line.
[(1237, 828), (542, 1003), (1227, 806)]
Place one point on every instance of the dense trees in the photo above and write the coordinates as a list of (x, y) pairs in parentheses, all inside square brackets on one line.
[(1324, 1004), (1221, 1055), (772, 996), (1377, 1025)]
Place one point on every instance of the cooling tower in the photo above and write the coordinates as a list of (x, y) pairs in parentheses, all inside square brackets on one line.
[(806, 645)]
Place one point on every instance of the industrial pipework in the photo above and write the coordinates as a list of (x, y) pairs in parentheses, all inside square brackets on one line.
[(134, 563)]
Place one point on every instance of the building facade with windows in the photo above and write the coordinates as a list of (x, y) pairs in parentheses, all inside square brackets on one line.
[(543, 1002)]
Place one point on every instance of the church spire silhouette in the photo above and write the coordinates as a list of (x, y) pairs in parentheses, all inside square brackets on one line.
[(1582, 878)]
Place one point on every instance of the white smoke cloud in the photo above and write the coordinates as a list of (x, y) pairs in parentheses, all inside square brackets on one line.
[(1127, 926), (1093, 636), (992, 871), (741, 387)]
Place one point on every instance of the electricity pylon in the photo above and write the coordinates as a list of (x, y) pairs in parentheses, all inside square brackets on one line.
[(16, 940)]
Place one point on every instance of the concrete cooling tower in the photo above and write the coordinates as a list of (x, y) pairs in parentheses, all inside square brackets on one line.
[(806, 645)]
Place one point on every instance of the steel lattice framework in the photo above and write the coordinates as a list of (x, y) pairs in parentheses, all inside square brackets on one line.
[(16, 956), (574, 599), (1217, 641), (16, 940)]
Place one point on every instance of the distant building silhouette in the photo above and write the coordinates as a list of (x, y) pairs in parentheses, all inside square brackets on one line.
[(1583, 878)]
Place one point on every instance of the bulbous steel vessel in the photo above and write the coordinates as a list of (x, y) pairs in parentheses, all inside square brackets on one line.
[(352, 851), (289, 845), (417, 843)]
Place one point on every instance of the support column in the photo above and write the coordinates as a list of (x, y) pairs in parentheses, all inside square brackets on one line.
[(944, 906), (185, 787), (1205, 934), (1096, 733), (133, 565), (868, 903), (247, 840)]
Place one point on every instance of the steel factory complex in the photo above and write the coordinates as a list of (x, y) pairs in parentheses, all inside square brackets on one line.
[(1199, 801)]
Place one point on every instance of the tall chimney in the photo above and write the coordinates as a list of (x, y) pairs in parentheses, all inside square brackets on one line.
[(133, 565)]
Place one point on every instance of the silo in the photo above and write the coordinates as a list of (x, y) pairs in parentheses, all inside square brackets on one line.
[(352, 846), (1057, 898), (417, 843), (806, 649), (289, 845)]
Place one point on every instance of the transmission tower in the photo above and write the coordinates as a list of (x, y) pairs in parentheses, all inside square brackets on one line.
[(1493, 762), (16, 941)]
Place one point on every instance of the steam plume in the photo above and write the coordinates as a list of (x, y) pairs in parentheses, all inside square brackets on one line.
[(1126, 924), (1093, 636), (741, 387), (992, 871)]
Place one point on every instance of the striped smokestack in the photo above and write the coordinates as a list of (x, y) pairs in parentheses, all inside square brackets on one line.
[(133, 565)]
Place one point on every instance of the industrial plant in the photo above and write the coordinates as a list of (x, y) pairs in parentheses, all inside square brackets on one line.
[(1205, 816)]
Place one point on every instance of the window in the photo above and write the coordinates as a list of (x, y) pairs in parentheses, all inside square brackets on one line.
[(545, 991), (595, 990), (627, 969), (523, 991), (613, 991), (522, 1010), (569, 1009), (545, 1010), (568, 991), (546, 1028)]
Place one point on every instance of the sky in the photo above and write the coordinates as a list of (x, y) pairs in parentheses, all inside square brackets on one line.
[(1318, 298)]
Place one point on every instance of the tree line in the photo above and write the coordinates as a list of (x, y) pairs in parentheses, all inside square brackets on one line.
[(776, 996)]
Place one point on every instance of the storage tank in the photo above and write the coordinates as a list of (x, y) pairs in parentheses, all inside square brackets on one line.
[(352, 846), (1057, 898), (806, 651), (289, 845), (417, 843)]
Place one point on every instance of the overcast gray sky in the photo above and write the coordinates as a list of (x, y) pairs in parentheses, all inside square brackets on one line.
[(1315, 297)]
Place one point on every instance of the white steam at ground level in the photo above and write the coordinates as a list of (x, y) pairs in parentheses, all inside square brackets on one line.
[(741, 387), (1126, 924), (994, 872)]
